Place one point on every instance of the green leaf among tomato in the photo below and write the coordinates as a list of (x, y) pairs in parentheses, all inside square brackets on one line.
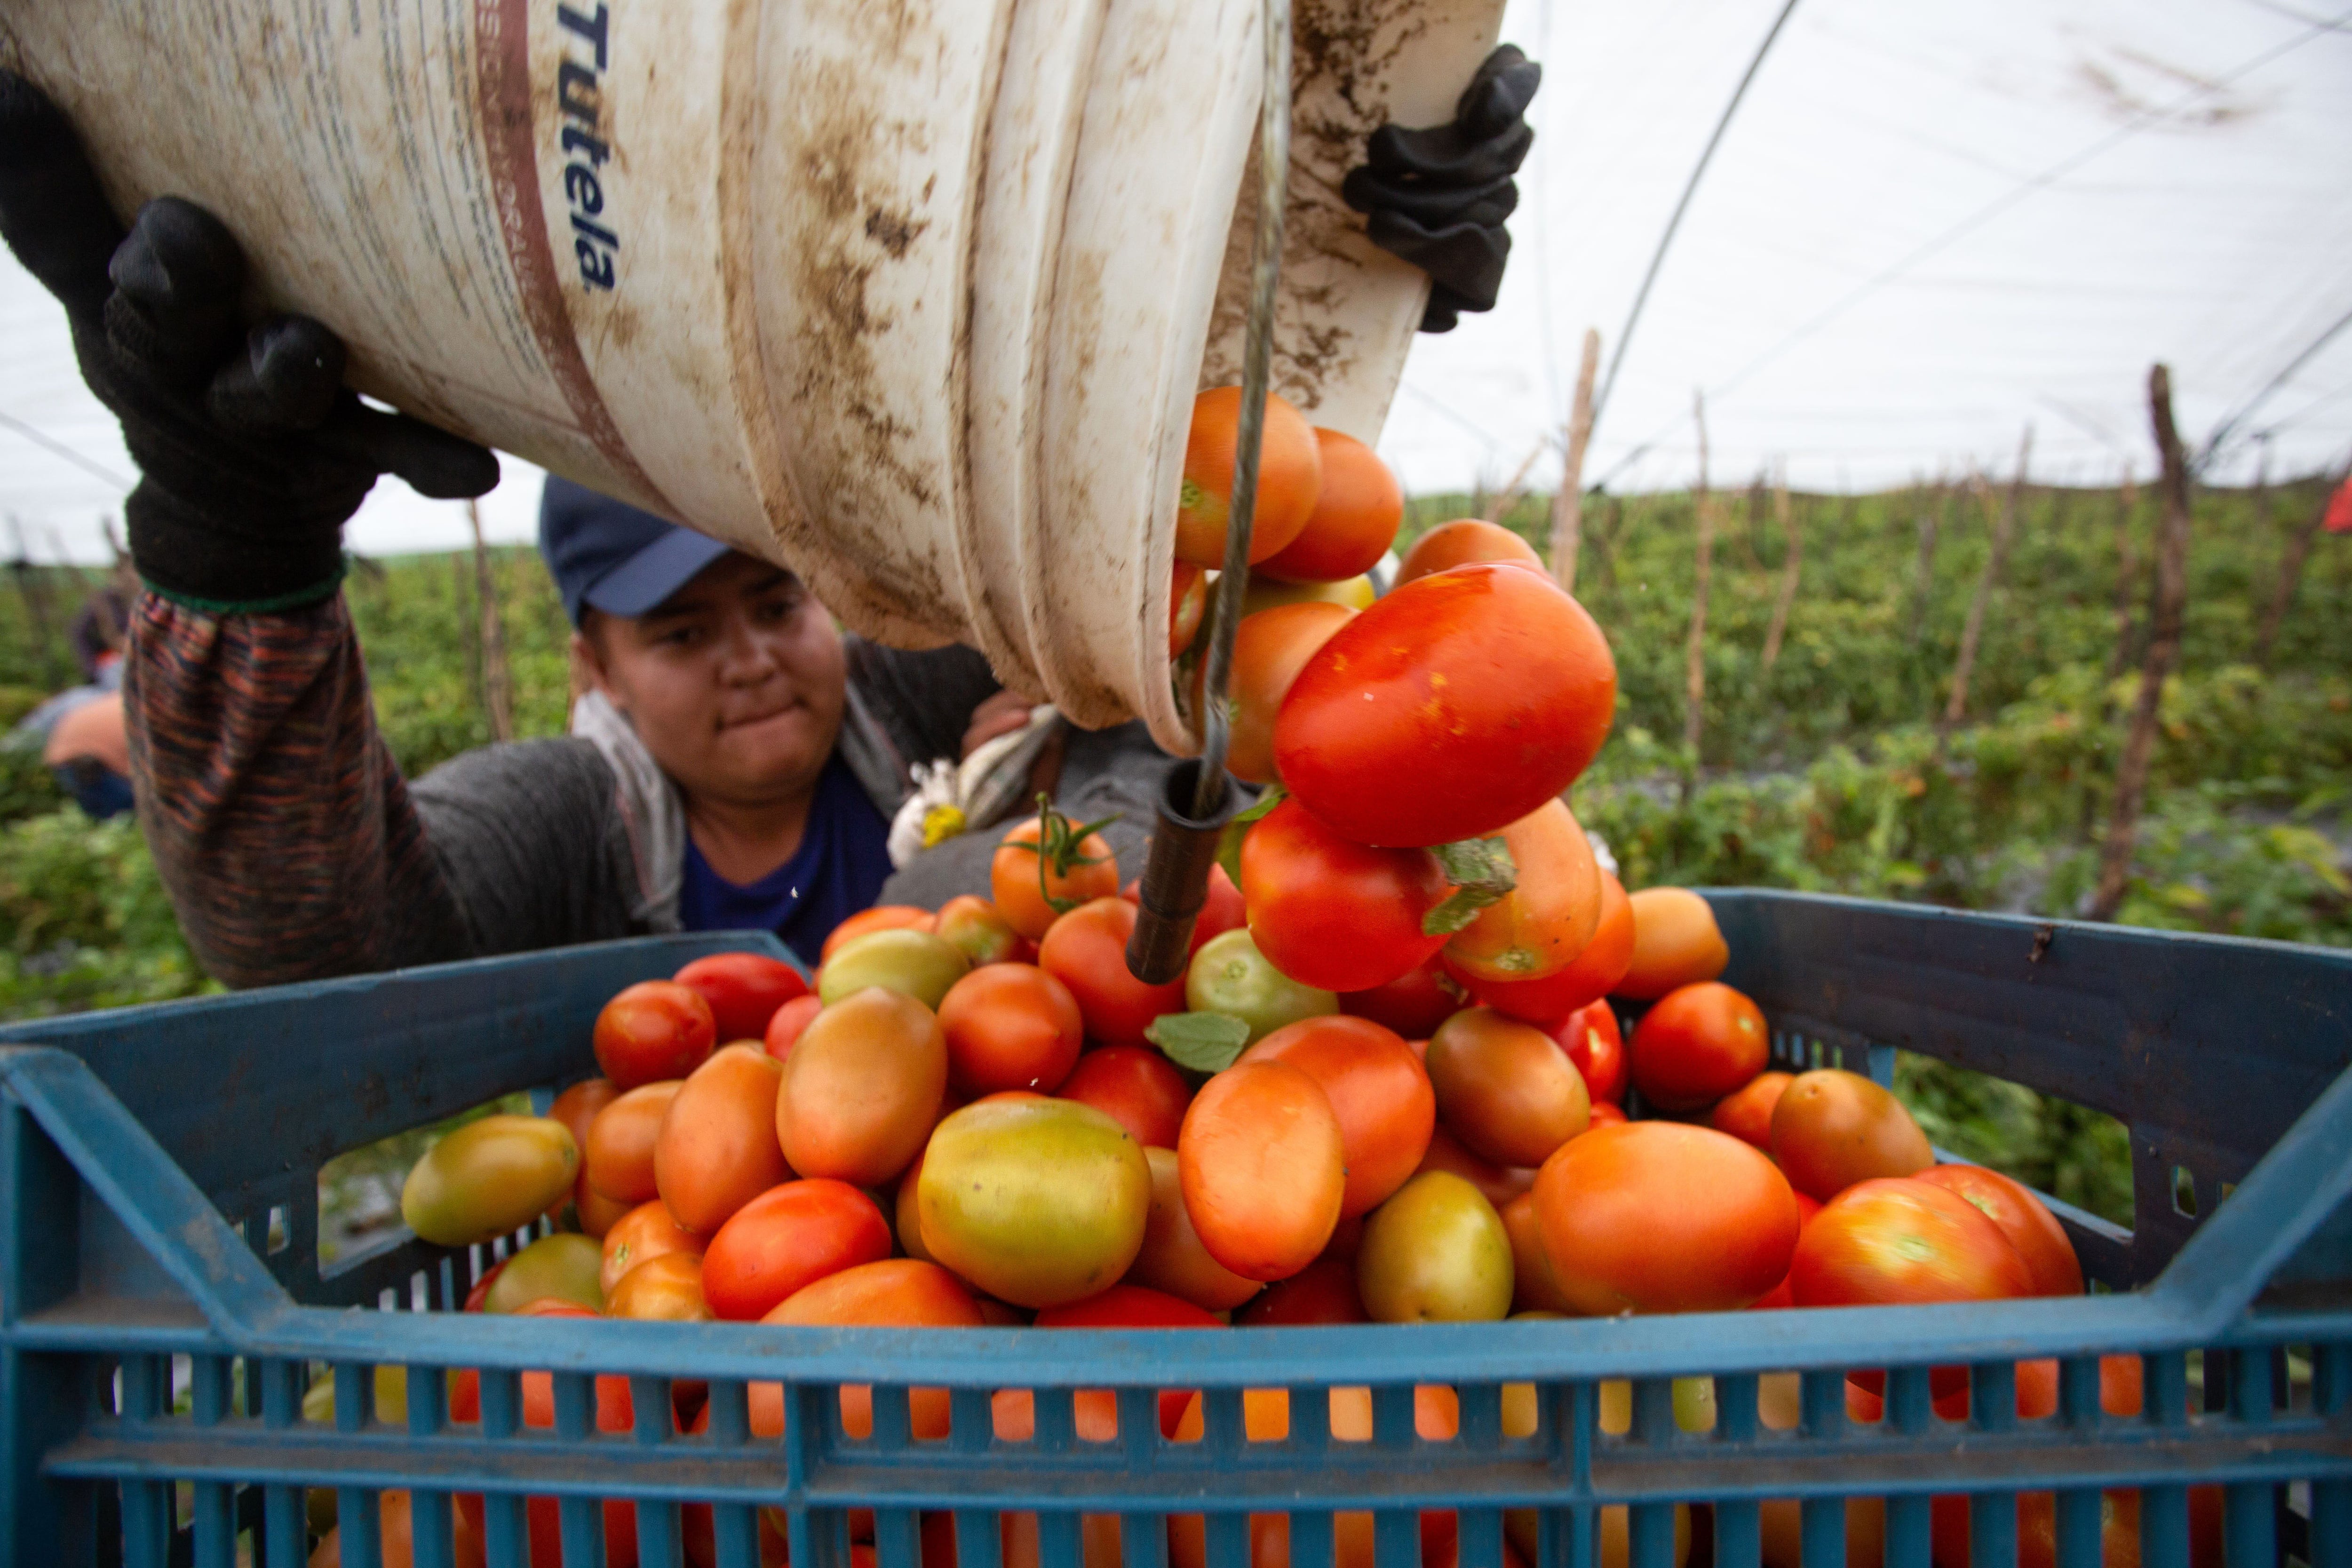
[(1481, 870), (1205, 1042)]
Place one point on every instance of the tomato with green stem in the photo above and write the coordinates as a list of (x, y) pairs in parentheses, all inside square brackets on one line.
[(1047, 866), (1335, 915)]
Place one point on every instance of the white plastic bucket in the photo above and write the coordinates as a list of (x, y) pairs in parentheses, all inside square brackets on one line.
[(913, 298)]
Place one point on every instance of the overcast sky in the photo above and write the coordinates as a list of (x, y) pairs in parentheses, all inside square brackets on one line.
[(1928, 226)]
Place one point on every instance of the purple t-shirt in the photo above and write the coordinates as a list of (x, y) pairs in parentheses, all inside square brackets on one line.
[(839, 869)]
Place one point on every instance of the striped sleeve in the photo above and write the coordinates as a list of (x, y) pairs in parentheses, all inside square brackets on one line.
[(279, 821)]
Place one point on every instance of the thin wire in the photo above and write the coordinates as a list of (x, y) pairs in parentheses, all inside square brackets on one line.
[(2222, 430), (60, 450), (1682, 205), (1983, 215)]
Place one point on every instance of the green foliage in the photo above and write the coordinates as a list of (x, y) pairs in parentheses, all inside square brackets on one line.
[(84, 919)]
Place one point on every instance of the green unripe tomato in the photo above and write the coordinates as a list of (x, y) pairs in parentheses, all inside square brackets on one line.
[(1229, 976), (1436, 1252), (489, 1177), (1037, 1202), (566, 1265), (912, 962)]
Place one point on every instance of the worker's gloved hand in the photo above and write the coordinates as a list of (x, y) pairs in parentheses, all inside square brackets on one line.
[(1438, 198), (251, 450)]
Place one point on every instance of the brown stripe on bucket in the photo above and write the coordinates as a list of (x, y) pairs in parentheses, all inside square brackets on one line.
[(502, 81)]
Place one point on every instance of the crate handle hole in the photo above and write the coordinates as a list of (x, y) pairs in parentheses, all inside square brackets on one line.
[(2184, 1192), (281, 1232)]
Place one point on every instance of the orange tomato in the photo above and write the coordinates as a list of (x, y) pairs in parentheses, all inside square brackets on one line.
[(866, 922), (1086, 949), (1831, 1128), (717, 1150), (396, 1537), (596, 1213), (1588, 977), (1505, 1089), (1036, 875), (618, 1161), (896, 1292), (1747, 1113), (614, 1412), (787, 1238), (862, 1088), (1779, 1295), (1262, 1168), (1322, 1292), (1010, 1026), (2028, 1223), (791, 1021), (654, 1030), (576, 1108), (1412, 1005), (646, 1232), (1593, 1043), (1290, 478), (1378, 1089), (1461, 541), (1355, 518), (1501, 1183), (744, 990), (1696, 1045), (1136, 1087), (1676, 943), (1270, 648), (1548, 918), (978, 930), (1172, 1260), (1188, 598), (1896, 1241), (667, 1288), (1533, 1289), (1656, 1216)]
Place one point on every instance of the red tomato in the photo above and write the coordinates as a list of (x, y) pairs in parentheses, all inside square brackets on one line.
[(1322, 1292), (1590, 1038), (1221, 912), (1896, 1240), (655, 1029), (1086, 949), (1747, 1113), (2030, 1225), (1333, 914), (1590, 975), (1779, 1295), (1136, 1087), (1449, 709), (788, 1236), (866, 922), (1608, 1113), (1413, 1003), (1696, 1044), (1010, 1026), (785, 1029), (744, 990), (1133, 1307)]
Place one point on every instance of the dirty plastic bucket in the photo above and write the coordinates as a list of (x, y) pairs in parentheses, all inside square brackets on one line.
[(913, 299)]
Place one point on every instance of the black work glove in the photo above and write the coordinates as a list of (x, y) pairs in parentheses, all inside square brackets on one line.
[(1438, 198), (251, 450)]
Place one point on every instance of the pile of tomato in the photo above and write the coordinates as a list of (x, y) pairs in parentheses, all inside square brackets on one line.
[(1390, 1087)]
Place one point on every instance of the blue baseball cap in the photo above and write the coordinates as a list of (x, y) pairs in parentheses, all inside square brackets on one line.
[(608, 555)]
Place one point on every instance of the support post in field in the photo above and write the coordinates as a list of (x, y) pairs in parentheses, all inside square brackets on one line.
[(2163, 650), (2126, 575), (2004, 525), (498, 684), (1695, 658), (2290, 565), (1509, 497), (1568, 502), (1792, 564)]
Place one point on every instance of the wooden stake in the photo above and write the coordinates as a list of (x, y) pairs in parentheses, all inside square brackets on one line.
[(2163, 650), (2290, 565), (1517, 487), (1694, 665), (1568, 502), (1792, 563), (1923, 575), (498, 684), (2003, 525)]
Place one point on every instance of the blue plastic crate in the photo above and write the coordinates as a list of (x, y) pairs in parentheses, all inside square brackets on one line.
[(145, 1151)]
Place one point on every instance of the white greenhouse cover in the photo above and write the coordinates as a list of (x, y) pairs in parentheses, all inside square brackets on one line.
[(1928, 226)]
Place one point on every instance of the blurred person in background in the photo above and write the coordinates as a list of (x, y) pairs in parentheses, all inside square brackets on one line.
[(735, 759)]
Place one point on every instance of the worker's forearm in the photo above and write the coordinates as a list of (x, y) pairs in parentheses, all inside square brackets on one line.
[(279, 821)]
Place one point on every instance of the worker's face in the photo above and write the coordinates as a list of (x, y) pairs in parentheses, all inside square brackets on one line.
[(734, 683)]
